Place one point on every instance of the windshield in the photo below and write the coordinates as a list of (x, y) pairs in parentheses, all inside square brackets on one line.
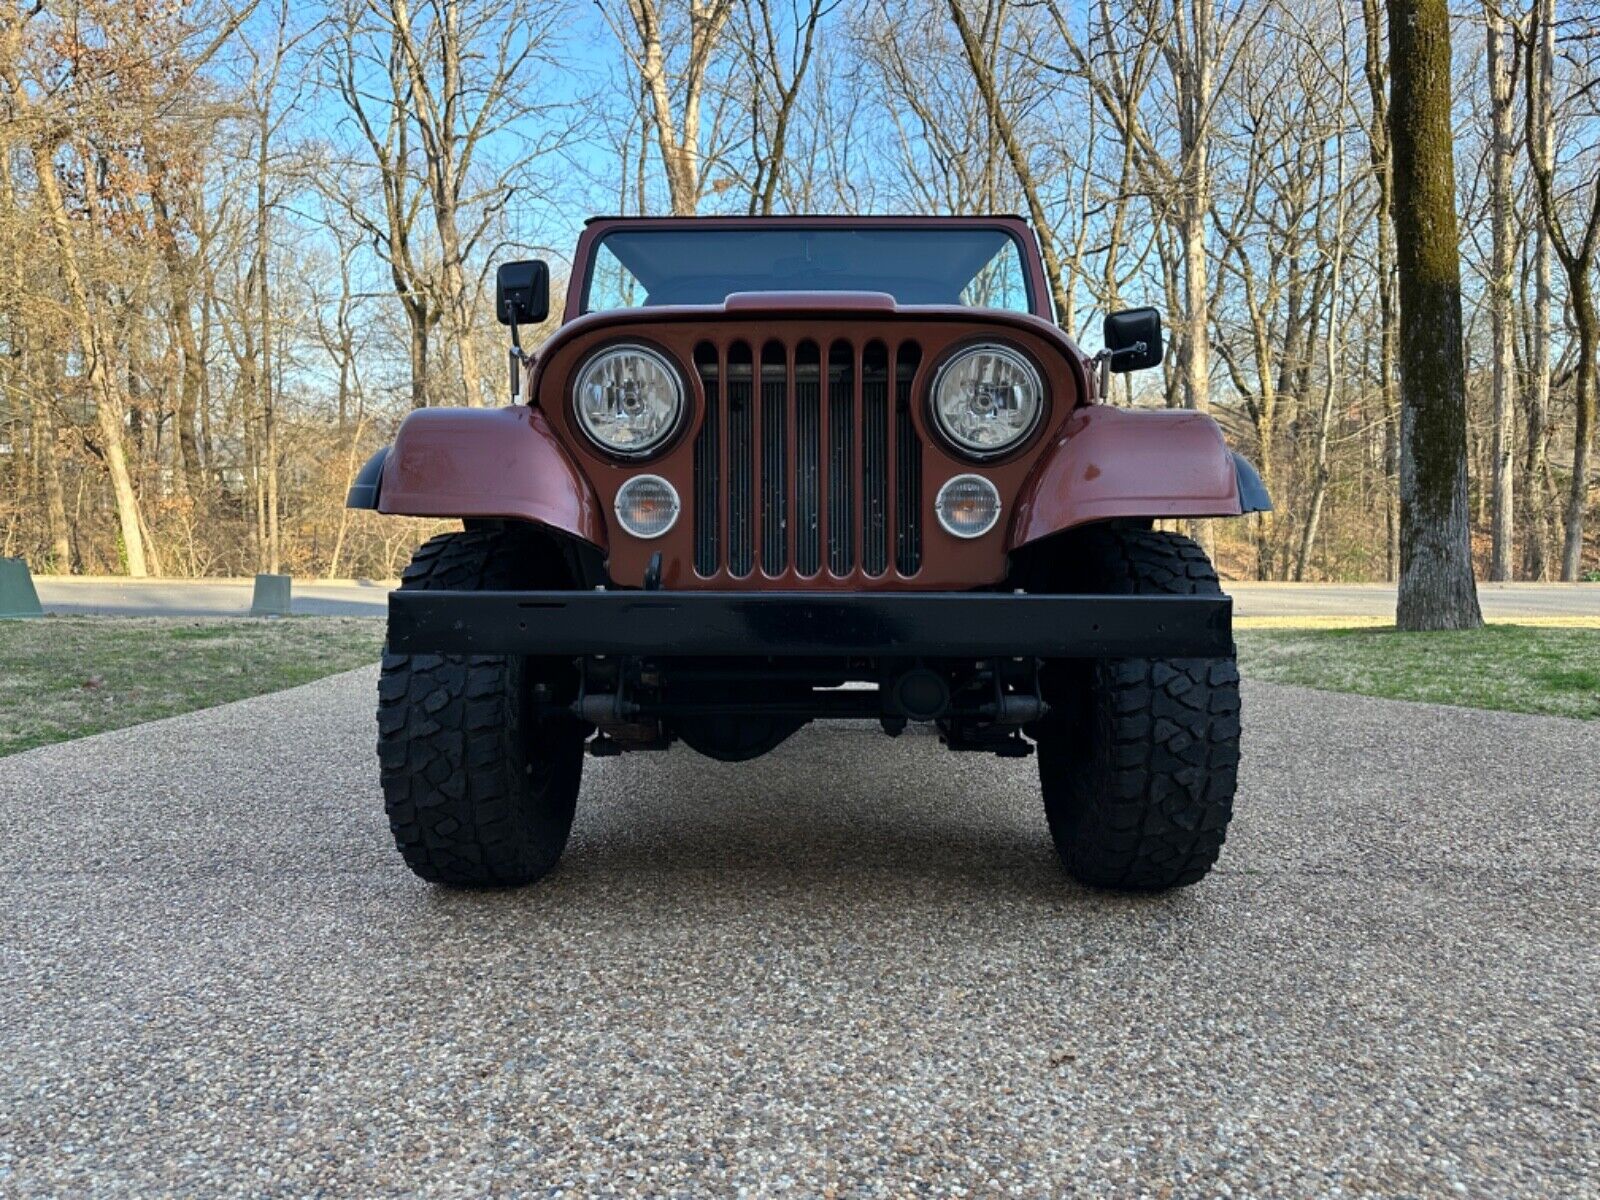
[(975, 267)]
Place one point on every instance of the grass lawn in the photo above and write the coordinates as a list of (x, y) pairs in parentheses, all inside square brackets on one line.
[(1551, 670), (64, 677)]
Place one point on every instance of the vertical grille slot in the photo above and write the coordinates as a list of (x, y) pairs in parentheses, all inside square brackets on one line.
[(875, 459), (841, 458), (808, 458), (908, 465), (707, 466), (741, 466), (774, 458)]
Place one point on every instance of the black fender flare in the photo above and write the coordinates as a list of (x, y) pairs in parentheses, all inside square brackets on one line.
[(1252, 492), (363, 491)]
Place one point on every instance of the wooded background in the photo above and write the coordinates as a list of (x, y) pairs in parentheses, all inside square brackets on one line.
[(240, 243)]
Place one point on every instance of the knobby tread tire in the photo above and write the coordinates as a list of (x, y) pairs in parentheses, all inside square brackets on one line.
[(478, 794), (1139, 763)]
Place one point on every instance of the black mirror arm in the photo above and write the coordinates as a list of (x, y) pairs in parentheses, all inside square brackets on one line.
[(1106, 358), (519, 360)]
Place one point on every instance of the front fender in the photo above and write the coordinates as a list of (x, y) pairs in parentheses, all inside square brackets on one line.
[(1118, 462), (496, 462)]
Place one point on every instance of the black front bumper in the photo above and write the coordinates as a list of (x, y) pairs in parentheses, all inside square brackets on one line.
[(810, 625)]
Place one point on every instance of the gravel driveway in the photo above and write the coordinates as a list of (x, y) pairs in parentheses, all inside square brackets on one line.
[(853, 968)]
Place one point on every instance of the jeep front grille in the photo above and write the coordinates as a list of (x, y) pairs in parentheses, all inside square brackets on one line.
[(815, 466)]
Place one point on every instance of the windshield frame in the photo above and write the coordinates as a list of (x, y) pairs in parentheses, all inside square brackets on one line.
[(1017, 229)]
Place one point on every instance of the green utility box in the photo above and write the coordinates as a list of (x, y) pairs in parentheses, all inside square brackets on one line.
[(17, 595), (271, 596)]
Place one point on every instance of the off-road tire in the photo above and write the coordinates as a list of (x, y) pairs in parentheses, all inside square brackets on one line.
[(478, 792), (1139, 759)]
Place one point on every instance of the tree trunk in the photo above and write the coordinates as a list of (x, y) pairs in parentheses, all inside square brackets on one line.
[(1197, 314), (1267, 467), (208, 297), (191, 384), (1541, 141), (1193, 68), (1503, 150), (45, 458), (417, 318), (460, 305), (264, 379), (1378, 143), (1333, 346), (352, 465), (1197, 304), (247, 397), (1588, 323), (191, 379), (1437, 590), (1535, 471), (1320, 473)]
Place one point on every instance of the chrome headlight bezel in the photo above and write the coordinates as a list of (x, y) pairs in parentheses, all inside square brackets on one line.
[(669, 369), (1013, 356)]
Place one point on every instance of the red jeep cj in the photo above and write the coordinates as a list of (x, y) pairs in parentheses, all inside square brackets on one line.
[(766, 458)]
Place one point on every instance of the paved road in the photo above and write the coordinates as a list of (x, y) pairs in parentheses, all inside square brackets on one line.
[(220, 597), (202, 597), (853, 966), (1500, 601)]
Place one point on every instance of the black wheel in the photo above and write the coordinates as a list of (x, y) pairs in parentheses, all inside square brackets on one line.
[(479, 792), (1139, 757)]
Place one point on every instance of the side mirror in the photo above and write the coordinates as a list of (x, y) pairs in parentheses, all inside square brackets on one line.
[(522, 293), (1133, 339)]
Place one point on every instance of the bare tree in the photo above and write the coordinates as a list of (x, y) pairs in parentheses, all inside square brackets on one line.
[(354, 60), (1192, 52), (1436, 585), (1115, 63), (182, 273), (1333, 252), (979, 60), (645, 30), (468, 74), (938, 135), (776, 63), (1278, 179), (1540, 51), (198, 359), (1575, 242), (825, 139), (21, 382), (47, 132), (1198, 42), (267, 115), (1379, 149), (1502, 156), (342, 343)]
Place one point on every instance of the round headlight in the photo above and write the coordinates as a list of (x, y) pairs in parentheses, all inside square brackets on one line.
[(628, 400), (987, 399), (967, 506), (647, 506)]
